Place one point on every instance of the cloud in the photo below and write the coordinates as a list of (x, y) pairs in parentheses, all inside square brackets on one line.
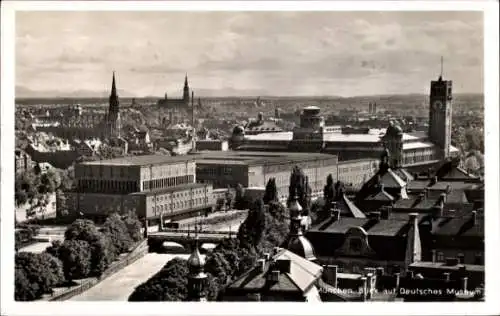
[(283, 52)]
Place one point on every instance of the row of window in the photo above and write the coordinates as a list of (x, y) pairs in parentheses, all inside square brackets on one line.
[(179, 205), (183, 194), (108, 186), (167, 182)]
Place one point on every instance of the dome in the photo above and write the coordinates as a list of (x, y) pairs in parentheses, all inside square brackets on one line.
[(295, 208), (238, 130), (196, 262), (300, 246)]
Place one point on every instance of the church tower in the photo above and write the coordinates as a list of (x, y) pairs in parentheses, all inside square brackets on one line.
[(185, 95), (113, 120), (440, 112)]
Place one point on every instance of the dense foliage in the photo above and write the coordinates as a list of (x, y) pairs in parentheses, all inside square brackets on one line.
[(241, 201), (33, 184), (85, 252), (36, 274), (169, 284), (271, 193)]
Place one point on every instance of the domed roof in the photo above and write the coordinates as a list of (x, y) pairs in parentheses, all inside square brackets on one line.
[(196, 262), (300, 246), (295, 208), (238, 130)]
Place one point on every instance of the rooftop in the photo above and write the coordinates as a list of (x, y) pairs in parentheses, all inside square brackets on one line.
[(256, 158), (302, 275), (141, 160)]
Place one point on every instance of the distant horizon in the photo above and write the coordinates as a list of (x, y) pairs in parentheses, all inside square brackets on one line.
[(244, 96)]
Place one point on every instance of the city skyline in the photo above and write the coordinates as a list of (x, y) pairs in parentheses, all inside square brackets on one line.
[(247, 53)]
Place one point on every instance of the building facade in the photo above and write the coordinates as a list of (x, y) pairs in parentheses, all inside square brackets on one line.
[(148, 185)]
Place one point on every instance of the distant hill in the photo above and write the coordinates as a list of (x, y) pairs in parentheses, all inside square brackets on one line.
[(26, 93)]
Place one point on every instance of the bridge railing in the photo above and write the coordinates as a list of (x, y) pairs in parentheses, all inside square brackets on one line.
[(192, 232)]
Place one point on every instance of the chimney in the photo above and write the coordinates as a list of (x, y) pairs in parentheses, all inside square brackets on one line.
[(261, 265), (386, 211), (433, 255), (421, 196), (364, 288), (442, 198), (413, 244), (463, 282), (380, 271), (461, 258), (335, 215), (474, 217), (273, 276), (330, 274), (369, 287), (452, 262), (448, 189), (397, 278)]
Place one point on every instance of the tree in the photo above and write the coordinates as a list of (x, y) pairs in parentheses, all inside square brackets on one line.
[(329, 190), (217, 265), (299, 186), (240, 201), (228, 199), (76, 258), (40, 272), (55, 266), (271, 193), (102, 250), (24, 289), (219, 204), (250, 231), (169, 284), (134, 227), (118, 233)]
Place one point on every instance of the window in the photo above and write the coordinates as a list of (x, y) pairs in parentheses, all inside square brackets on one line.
[(440, 256)]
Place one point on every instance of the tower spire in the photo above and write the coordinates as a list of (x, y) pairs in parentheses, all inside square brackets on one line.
[(186, 80), (441, 73), (113, 85)]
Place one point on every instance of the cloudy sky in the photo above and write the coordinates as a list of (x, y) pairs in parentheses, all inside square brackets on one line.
[(273, 53)]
